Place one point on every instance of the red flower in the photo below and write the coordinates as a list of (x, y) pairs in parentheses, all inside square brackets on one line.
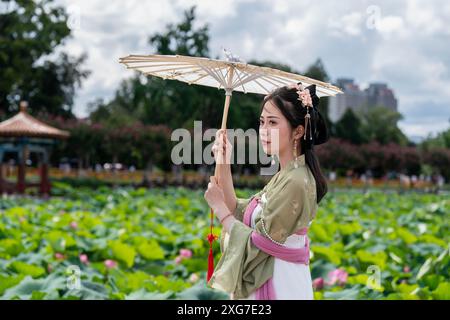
[(318, 283)]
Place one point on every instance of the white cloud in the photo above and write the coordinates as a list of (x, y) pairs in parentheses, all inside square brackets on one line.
[(210, 10), (348, 25), (428, 18), (414, 61), (390, 24), (108, 30)]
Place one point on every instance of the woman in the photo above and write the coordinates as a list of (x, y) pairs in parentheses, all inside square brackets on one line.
[(265, 249)]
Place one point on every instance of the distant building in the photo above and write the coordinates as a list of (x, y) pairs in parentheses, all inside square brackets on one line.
[(377, 94)]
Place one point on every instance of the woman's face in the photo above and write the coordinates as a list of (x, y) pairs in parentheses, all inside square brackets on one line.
[(274, 130)]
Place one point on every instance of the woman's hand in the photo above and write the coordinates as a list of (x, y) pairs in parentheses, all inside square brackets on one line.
[(215, 198), (222, 147)]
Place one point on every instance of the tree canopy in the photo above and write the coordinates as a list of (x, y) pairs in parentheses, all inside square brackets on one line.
[(32, 67)]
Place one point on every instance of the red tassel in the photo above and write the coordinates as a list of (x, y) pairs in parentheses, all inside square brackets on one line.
[(211, 238), (210, 264)]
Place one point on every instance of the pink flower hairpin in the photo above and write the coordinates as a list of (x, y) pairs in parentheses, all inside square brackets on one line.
[(304, 96)]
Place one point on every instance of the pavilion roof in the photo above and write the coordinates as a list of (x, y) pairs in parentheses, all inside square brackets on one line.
[(24, 125)]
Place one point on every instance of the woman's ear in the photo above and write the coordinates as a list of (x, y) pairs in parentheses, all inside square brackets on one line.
[(298, 132)]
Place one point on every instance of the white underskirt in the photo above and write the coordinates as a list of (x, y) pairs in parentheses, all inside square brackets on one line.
[(292, 281)]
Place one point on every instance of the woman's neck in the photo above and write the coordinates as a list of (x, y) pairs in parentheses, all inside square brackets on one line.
[(285, 158)]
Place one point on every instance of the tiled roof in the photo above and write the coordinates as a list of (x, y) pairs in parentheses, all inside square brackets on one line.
[(24, 125)]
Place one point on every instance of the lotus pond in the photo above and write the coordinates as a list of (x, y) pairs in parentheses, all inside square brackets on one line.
[(151, 244)]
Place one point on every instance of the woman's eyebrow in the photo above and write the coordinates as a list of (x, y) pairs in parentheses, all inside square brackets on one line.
[(270, 117)]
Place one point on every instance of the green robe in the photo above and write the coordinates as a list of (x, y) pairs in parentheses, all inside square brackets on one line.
[(291, 204)]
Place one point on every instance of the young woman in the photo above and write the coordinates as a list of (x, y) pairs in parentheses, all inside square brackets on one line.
[(265, 248)]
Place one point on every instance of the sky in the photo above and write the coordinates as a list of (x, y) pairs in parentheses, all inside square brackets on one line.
[(404, 43)]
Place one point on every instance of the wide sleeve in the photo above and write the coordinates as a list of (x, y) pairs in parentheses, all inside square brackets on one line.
[(238, 212), (241, 204), (243, 267)]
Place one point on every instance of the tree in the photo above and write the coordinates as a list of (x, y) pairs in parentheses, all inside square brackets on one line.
[(52, 86), (349, 128), (439, 160), (30, 32), (442, 140), (380, 124), (182, 38)]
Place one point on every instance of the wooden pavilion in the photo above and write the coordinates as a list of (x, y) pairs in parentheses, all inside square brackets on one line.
[(22, 135)]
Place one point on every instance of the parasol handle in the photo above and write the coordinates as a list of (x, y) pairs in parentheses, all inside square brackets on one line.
[(228, 93), (211, 236), (224, 126)]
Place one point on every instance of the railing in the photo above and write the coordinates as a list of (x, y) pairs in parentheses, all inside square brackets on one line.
[(196, 179)]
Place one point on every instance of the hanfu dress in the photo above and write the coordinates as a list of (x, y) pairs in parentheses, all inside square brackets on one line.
[(270, 224)]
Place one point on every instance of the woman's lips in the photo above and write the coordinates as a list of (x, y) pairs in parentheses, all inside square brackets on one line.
[(265, 142)]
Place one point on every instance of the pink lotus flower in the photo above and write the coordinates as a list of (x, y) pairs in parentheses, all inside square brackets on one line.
[(337, 276), (318, 283), (110, 263), (178, 259), (74, 225), (185, 253), (84, 258), (193, 277), (59, 256), (406, 269)]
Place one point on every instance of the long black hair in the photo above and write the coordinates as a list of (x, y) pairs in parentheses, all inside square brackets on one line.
[(286, 100)]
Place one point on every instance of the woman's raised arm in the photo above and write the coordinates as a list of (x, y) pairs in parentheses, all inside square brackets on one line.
[(224, 168)]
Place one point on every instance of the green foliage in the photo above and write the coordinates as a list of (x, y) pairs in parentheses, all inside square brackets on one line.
[(441, 140), (151, 250), (401, 238), (380, 124), (374, 124), (123, 252), (142, 231), (349, 128), (31, 32), (27, 269)]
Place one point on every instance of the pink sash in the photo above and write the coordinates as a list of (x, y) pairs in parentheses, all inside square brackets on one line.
[(296, 255)]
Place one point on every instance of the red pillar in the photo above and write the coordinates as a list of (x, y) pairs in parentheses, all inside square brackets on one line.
[(1, 178), (21, 177), (45, 182)]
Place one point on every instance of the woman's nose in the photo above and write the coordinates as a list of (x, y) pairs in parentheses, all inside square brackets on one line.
[(263, 133)]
